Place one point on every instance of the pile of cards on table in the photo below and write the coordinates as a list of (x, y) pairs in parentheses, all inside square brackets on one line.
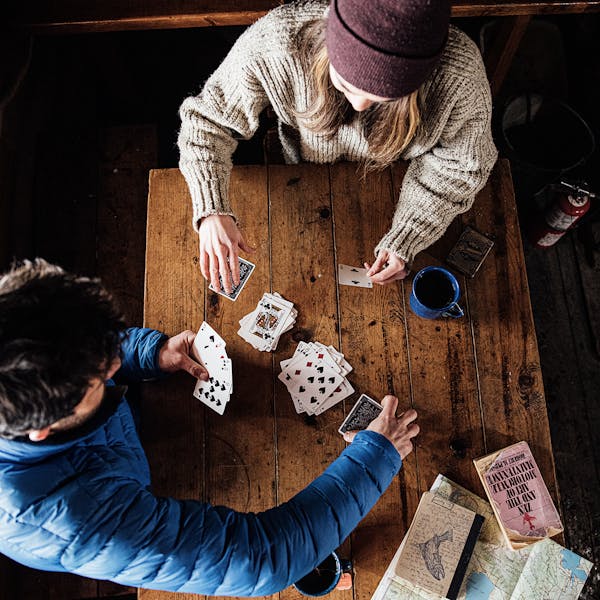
[(273, 316), (316, 377), (209, 347)]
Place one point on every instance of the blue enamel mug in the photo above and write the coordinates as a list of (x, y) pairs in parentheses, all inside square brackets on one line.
[(435, 293), (323, 578)]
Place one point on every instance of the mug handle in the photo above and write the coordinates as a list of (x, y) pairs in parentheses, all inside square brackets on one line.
[(454, 312)]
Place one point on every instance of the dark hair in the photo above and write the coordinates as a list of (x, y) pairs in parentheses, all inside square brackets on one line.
[(58, 331)]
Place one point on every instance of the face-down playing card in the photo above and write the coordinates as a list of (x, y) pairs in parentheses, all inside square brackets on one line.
[(246, 268), (361, 414)]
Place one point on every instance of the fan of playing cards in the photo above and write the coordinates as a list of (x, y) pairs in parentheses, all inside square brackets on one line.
[(272, 317), (316, 377), (209, 347)]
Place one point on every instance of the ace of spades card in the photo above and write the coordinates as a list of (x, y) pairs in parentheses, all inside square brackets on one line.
[(353, 276)]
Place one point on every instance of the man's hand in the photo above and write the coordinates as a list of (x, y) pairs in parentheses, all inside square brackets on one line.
[(387, 267), (220, 245), (399, 430), (175, 355)]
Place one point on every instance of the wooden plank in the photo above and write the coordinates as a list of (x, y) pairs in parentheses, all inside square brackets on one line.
[(512, 391), (127, 154), (373, 337), (240, 449), (173, 425), (302, 265), (70, 16), (570, 399), (499, 58), (485, 8), (65, 200), (444, 381)]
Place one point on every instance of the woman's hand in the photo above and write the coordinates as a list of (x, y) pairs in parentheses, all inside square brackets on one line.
[(387, 267), (220, 244)]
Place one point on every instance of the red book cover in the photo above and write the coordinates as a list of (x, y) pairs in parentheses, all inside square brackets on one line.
[(518, 495)]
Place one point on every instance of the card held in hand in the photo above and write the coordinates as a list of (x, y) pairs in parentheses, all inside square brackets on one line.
[(363, 412), (246, 268), (353, 276)]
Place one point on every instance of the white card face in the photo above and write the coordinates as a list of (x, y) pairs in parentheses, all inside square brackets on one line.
[(344, 390), (353, 276), (246, 268), (213, 393), (313, 382), (209, 348)]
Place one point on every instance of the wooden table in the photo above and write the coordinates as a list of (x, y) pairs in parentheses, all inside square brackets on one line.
[(475, 382)]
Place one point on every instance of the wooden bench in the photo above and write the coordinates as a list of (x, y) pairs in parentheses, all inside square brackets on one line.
[(72, 16), (475, 381)]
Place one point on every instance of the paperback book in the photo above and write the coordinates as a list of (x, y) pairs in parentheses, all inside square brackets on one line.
[(518, 495)]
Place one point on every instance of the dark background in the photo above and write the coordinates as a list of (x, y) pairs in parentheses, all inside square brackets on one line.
[(94, 112)]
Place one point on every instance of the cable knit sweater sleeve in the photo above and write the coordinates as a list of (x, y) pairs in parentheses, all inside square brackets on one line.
[(442, 180), (227, 108)]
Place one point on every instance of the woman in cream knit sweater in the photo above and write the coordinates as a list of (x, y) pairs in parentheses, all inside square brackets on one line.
[(346, 82)]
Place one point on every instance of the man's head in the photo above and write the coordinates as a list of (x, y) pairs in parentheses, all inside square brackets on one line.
[(60, 337)]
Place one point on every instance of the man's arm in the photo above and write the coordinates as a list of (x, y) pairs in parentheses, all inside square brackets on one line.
[(189, 546)]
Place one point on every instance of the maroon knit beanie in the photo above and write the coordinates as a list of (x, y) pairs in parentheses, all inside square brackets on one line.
[(387, 48)]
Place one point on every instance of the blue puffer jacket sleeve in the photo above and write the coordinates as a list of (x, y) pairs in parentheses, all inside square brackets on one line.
[(189, 546), (139, 353)]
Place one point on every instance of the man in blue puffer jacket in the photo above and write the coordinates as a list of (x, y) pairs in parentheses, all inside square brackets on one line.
[(74, 481)]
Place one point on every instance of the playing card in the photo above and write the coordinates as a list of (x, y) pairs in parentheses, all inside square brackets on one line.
[(269, 319), (246, 268), (213, 393), (353, 276), (361, 414), (209, 348), (313, 381), (344, 390)]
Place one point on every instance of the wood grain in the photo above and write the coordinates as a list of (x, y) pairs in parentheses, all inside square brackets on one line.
[(127, 154), (172, 423), (373, 337), (240, 449), (70, 16), (512, 392), (474, 381), (303, 272)]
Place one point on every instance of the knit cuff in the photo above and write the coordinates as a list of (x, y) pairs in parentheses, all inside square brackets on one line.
[(209, 196), (404, 241)]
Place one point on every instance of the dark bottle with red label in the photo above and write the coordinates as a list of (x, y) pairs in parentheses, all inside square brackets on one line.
[(569, 203)]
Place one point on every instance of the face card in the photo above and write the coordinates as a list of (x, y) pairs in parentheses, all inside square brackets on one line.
[(246, 268), (353, 276), (361, 414), (270, 319)]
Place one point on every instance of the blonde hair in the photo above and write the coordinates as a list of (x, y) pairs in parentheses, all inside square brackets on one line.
[(388, 126)]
